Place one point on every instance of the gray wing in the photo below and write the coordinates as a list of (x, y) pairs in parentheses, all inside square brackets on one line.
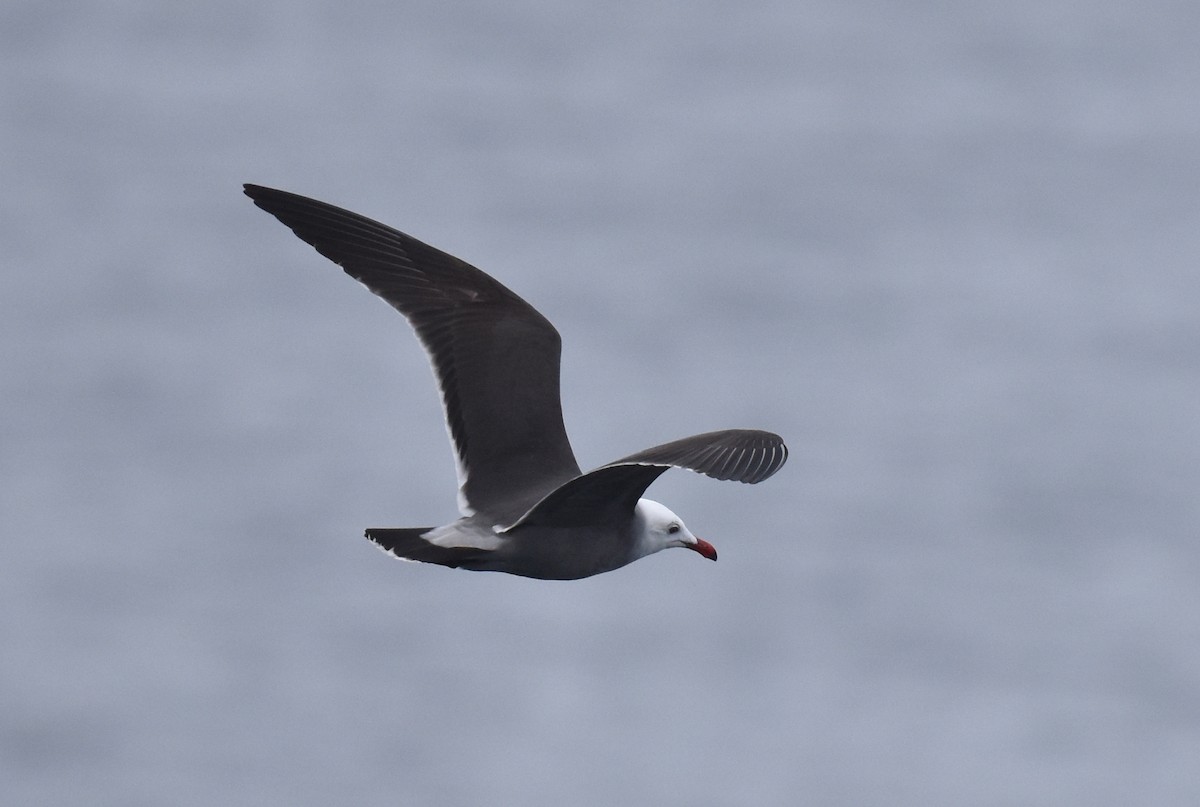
[(495, 357), (741, 455), (608, 494)]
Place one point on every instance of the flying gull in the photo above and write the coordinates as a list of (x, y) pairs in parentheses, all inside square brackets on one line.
[(527, 509)]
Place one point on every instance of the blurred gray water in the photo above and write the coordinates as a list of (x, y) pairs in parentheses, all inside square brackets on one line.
[(949, 251)]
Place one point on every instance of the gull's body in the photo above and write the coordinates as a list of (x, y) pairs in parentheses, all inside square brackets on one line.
[(526, 507)]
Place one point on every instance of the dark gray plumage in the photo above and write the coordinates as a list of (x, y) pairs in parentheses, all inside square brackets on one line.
[(526, 507)]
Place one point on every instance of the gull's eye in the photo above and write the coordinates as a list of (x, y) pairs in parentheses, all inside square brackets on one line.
[(674, 528)]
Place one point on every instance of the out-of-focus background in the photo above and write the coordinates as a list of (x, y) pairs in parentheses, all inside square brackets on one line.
[(949, 251)]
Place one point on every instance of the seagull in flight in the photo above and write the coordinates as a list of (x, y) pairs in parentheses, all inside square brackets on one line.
[(527, 508)]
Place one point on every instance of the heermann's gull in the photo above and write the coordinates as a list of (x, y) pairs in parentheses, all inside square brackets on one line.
[(526, 508)]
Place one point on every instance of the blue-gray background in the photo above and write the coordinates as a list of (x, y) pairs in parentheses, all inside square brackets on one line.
[(949, 250)]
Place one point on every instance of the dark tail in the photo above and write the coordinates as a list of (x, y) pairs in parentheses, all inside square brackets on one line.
[(407, 543)]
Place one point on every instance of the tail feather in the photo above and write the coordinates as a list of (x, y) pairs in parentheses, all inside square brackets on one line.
[(407, 543)]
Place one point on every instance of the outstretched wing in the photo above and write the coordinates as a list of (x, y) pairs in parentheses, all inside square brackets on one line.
[(740, 455), (608, 494), (495, 357)]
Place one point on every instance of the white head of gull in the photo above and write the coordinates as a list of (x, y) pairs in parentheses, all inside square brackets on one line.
[(527, 509)]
